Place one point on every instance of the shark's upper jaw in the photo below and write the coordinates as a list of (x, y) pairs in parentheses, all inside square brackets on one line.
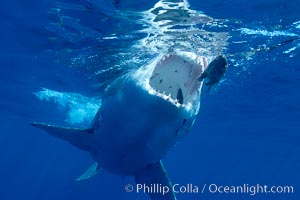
[(175, 78)]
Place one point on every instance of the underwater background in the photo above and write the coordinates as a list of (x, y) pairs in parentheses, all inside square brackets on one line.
[(57, 57)]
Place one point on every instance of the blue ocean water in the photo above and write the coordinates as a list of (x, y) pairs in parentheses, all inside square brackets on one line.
[(56, 57)]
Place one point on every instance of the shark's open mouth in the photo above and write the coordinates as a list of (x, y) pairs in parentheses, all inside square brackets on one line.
[(174, 77)]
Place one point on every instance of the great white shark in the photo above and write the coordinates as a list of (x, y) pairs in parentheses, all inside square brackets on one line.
[(142, 116)]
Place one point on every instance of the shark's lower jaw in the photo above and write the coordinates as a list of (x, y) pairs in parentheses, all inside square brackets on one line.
[(174, 77)]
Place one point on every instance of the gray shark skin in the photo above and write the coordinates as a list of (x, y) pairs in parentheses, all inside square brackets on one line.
[(141, 118)]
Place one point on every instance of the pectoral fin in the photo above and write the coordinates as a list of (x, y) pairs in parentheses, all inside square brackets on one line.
[(81, 138), (156, 174), (90, 172)]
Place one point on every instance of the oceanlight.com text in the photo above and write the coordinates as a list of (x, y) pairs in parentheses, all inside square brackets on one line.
[(250, 189)]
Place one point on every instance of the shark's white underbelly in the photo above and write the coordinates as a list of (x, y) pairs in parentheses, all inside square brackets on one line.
[(136, 130)]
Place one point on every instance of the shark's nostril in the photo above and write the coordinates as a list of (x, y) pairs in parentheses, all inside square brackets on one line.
[(179, 96)]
